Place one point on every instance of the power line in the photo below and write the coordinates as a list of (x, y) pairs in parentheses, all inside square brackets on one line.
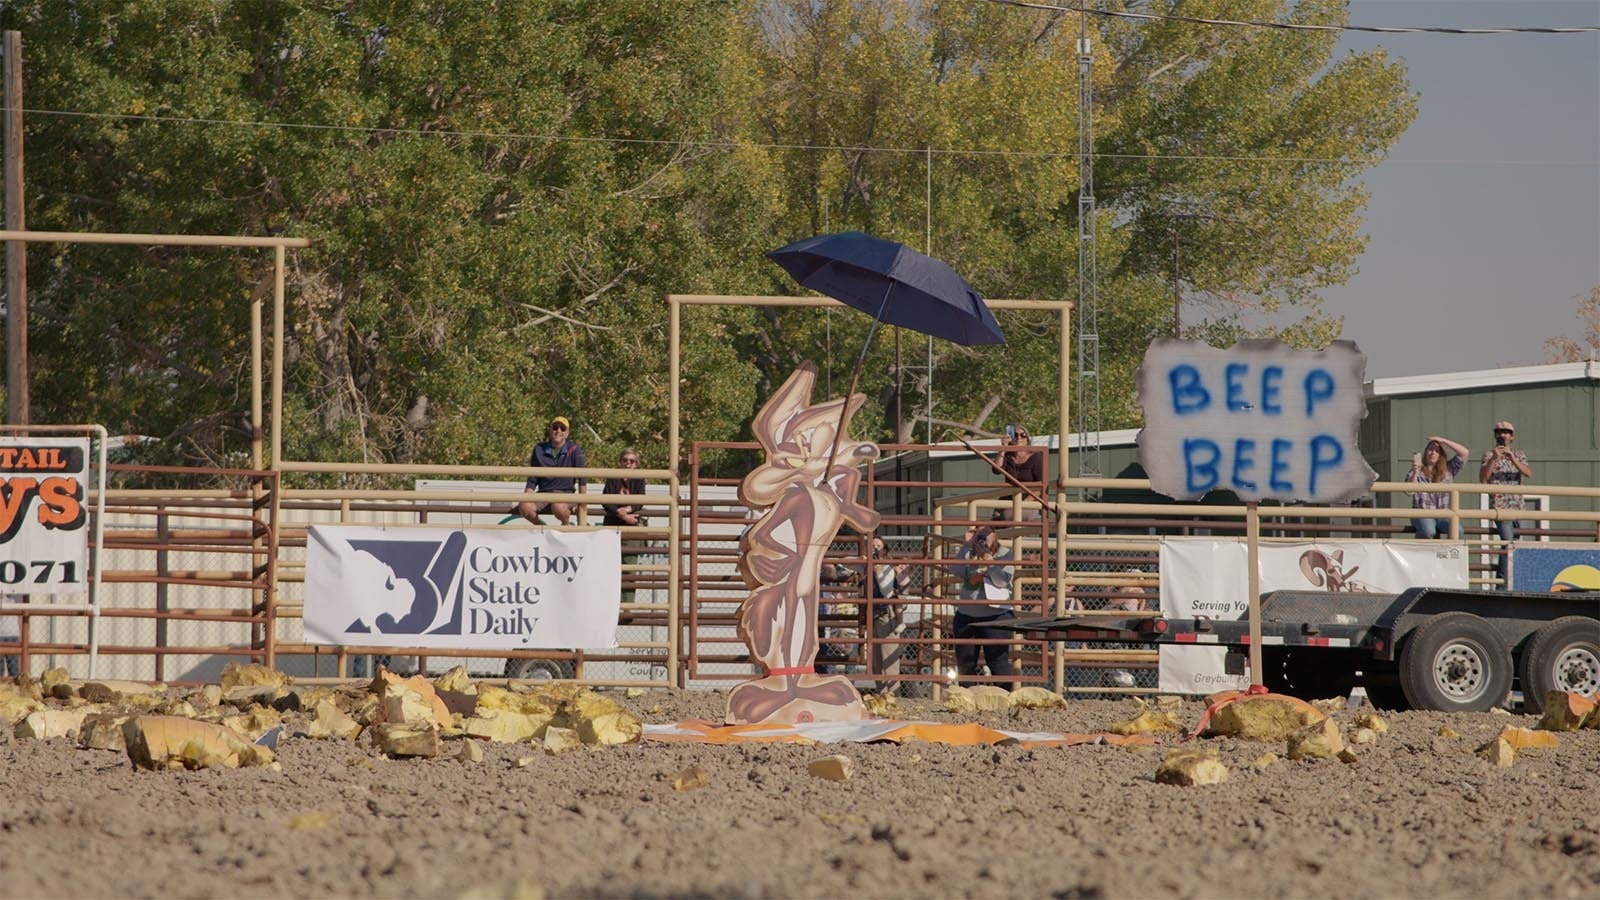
[(1289, 26), (730, 145)]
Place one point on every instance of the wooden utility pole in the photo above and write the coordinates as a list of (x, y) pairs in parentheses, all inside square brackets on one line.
[(16, 251)]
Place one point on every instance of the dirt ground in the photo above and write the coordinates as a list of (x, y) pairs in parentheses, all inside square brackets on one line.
[(1417, 815)]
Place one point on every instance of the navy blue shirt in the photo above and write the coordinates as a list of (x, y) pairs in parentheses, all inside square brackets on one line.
[(546, 455)]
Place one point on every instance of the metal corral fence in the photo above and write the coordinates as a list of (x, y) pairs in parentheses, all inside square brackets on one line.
[(195, 576)]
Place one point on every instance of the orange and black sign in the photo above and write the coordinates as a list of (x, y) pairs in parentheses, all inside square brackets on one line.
[(43, 539)]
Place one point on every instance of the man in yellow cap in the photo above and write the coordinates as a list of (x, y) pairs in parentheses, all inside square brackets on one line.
[(557, 452)]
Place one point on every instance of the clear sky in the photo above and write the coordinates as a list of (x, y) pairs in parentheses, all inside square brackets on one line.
[(1484, 223)]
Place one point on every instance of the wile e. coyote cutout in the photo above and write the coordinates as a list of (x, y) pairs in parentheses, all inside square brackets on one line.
[(781, 558)]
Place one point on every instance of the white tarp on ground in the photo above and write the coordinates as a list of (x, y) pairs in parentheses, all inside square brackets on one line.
[(462, 588), (1205, 577)]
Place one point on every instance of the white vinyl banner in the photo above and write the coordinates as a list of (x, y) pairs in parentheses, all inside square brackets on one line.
[(1205, 577), (463, 588), (44, 523)]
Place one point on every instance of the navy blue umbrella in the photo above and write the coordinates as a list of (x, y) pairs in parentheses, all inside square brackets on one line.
[(895, 285)]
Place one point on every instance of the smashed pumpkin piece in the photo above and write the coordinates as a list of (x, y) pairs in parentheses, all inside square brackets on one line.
[(1189, 768), (983, 697), (401, 705), (1259, 717), (383, 685), (46, 724), (1372, 721), (168, 742), (561, 740), (1566, 711), (831, 768), (1319, 740), (15, 705), (471, 752), (1264, 761), (400, 740), (235, 675), (124, 693), (332, 724), (878, 704), (258, 721), (1151, 721), (1499, 752), (1034, 697), (690, 779), (1523, 738), (102, 731), (492, 698), (506, 727)]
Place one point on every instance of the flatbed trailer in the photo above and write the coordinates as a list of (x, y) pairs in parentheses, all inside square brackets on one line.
[(1425, 648)]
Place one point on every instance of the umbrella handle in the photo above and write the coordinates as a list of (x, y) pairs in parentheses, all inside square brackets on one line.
[(855, 376)]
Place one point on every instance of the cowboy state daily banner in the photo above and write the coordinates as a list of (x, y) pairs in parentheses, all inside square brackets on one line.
[(1202, 577), (462, 588), (44, 533)]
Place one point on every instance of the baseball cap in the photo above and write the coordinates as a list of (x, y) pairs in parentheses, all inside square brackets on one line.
[(562, 421), (1504, 426)]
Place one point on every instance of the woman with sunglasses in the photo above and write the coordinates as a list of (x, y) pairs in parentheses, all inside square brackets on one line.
[(1503, 465), (1026, 468), (621, 515)]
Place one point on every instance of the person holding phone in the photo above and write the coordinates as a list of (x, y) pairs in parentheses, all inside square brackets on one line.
[(1432, 467), (986, 577), (1504, 465)]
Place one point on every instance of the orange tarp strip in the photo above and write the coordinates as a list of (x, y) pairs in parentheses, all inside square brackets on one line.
[(957, 734)]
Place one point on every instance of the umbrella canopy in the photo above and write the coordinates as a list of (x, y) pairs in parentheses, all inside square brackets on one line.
[(893, 283)]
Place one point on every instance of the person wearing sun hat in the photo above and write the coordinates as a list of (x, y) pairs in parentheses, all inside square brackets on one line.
[(557, 452), (1504, 465)]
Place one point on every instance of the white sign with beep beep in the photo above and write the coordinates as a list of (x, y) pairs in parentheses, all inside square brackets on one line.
[(1260, 419)]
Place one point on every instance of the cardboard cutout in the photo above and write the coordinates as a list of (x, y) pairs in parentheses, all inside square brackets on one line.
[(781, 554)]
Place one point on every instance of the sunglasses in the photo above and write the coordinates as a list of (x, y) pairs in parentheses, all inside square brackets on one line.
[(558, 428), (630, 461), (1503, 431)]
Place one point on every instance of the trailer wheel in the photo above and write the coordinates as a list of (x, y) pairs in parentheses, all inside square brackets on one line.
[(538, 669), (1455, 662), (1562, 656)]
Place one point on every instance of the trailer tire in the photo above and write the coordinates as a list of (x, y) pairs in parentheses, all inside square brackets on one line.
[(527, 669), (1562, 656), (1455, 662)]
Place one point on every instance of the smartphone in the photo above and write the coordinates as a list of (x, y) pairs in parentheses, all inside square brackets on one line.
[(1011, 432), (1500, 440)]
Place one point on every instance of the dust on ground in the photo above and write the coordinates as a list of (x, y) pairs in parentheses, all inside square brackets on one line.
[(1417, 815)]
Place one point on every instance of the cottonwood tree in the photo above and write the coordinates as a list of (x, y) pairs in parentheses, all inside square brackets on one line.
[(1564, 348), (500, 194)]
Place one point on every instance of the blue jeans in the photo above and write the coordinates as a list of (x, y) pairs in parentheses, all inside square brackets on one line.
[(1507, 529), (10, 666), (1428, 529)]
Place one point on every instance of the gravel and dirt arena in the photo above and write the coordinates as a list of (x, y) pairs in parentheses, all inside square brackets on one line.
[(1416, 815)]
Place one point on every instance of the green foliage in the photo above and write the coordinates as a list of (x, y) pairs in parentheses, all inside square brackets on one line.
[(500, 195)]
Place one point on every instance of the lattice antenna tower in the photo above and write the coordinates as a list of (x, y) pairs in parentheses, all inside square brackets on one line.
[(1088, 391)]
